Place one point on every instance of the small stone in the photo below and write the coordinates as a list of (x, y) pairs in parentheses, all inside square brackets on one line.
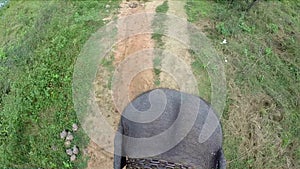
[(69, 137), (75, 150), (107, 6), (133, 5), (69, 152), (67, 143), (85, 151), (53, 147), (73, 157), (277, 116), (63, 134), (106, 19), (224, 41), (74, 127)]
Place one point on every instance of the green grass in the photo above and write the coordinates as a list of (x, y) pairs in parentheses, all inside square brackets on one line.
[(157, 64), (197, 9), (262, 53), (39, 45), (202, 77), (159, 27), (163, 8), (158, 24), (107, 63), (194, 10), (157, 69), (157, 37)]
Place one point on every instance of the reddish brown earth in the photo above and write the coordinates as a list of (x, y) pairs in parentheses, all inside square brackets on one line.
[(142, 81)]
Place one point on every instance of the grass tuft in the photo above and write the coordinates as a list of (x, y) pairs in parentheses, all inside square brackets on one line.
[(163, 8), (159, 30)]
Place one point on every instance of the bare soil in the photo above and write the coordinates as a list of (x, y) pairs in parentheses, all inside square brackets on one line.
[(141, 82)]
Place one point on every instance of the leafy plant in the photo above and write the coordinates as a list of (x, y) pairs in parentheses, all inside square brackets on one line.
[(273, 28), (222, 29), (163, 8)]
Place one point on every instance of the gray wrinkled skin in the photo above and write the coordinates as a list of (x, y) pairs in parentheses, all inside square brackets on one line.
[(206, 155)]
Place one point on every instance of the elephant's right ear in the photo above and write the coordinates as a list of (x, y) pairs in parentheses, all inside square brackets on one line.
[(119, 160), (220, 159)]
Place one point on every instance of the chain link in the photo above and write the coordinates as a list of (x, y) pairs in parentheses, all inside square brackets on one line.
[(154, 164)]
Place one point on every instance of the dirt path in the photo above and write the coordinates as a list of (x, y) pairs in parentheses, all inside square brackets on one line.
[(142, 81), (113, 98)]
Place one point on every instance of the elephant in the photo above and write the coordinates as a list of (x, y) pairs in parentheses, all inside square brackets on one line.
[(165, 128)]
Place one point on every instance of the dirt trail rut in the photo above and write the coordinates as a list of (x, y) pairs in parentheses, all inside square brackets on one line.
[(142, 81)]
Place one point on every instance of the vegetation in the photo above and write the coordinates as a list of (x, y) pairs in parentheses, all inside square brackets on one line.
[(201, 74), (261, 121), (244, 5), (39, 45), (159, 30), (163, 8), (41, 40), (159, 25), (107, 63)]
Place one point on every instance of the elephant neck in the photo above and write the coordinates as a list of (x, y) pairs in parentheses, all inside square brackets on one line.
[(141, 163)]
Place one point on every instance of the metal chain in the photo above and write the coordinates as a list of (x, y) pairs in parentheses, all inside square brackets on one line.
[(154, 164)]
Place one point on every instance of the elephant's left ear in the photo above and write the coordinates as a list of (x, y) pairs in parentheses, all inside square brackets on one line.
[(220, 160), (119, 159)]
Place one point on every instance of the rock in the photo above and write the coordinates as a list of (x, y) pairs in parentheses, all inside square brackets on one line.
[(107, 19), (133, 5), (67, 143), (63, 134), (85, 151), (69, 136), (75, 150), (107, 6), (73, 157), (277, 116), (224, 41), (53, 147), (69, 152), (74, 127)]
